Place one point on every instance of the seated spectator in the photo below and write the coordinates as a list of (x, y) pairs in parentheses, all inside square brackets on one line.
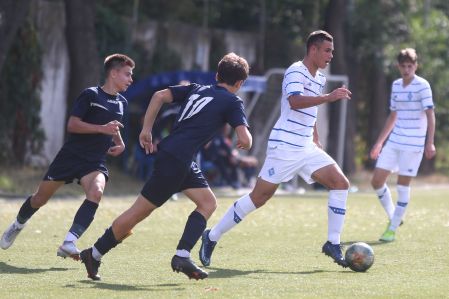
[(220, 153)]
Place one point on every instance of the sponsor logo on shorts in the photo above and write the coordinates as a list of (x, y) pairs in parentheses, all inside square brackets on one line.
[(271, 171), (50, 178), (410, 170)]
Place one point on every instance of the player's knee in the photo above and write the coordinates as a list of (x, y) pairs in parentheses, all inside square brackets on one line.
[(210, 206), (38, 200), (95, 194), (376, 183), (207, 207), (260, 199), (342, 183)]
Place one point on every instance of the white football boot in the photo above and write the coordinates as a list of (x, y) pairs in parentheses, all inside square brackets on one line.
[(10, 234)]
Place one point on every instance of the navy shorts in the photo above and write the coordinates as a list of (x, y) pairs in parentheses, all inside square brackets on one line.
[(171, 175), (68, 167)]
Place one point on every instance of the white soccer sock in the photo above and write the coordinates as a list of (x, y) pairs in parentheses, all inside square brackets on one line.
[(336, 214), (401, 206), (384, 195), (234, 215), (70, 238), (96, 254), (182, 253), (19, 225)]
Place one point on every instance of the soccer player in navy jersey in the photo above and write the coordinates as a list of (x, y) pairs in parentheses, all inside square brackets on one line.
[(294, 149), (409, 133), (204, 111), (94, 132)]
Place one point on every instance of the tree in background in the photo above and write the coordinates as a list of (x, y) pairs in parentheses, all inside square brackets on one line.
[(12, 16), (85, 69), (20, 105)]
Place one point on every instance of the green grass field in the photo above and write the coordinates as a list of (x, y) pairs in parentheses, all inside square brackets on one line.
[(274, 253)]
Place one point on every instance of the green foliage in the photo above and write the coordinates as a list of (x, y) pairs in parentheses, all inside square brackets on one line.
[(378, 30), (20, 131), (114, 31)]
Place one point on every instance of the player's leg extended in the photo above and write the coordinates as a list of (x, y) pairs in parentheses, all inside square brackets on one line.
[(261, 193), (333, 178), (93, 185), (119, 230), (378, 182), (403, 189), (206, 204), (45, 190)]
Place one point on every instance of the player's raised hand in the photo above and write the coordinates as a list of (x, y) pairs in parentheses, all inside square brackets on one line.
[(340, 93), (112, 127), (146, 141)]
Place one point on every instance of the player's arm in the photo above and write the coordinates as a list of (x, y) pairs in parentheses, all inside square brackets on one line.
[(157, 100), (119, 146), (77, 126), (389, 124), (316, 138), (299, 101), (244, 138), (430, 150)]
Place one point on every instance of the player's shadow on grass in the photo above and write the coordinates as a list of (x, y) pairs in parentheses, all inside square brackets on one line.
[(9, 269), (228, 273), (127, 288), (370, 243)]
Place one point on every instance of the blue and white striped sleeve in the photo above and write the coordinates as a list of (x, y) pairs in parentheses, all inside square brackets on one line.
[(294, 82), (426, 96)]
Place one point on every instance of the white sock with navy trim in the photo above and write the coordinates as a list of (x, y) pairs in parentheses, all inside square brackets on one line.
[(233, 216), (384, 195), (336, 214), (401, 206)]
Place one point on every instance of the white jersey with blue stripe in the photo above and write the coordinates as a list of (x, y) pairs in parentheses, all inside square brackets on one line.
[(410, 103), (294, 128)]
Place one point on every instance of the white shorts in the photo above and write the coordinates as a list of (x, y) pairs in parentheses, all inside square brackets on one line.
[(406, 163), (282, 165)]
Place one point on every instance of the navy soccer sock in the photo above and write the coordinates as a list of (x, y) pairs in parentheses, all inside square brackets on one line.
[(83, 217), (106, 242), (196, 224), (26, 211)]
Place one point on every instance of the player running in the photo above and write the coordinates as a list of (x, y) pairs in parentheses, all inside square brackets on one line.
[(94, 132), (294, 149), (410, 129), (204, 111)]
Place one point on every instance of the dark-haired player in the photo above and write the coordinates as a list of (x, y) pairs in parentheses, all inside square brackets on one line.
[(204, 111), (294, 149), (94, 132)]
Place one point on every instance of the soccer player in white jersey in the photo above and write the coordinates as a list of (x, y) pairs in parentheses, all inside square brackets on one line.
[(410, 130), (294, 149)]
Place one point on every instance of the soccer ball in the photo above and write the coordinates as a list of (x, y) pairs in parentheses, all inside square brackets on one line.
[(360, 257)]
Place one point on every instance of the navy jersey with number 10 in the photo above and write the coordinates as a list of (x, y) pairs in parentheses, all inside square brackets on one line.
[(204, 111)]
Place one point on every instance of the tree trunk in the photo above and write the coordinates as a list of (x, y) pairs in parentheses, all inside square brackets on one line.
[(82, 47), (335, 24), (378, 104), (12, 15)]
